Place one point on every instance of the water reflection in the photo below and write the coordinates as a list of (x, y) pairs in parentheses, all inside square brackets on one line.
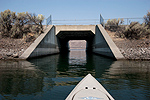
[(77, 57), (129, 70), (78, 64), (47, 78), (19, 77), (130, 78)]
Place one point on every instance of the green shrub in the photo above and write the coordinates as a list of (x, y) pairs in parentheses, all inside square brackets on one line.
[(134, 31), (5, 22), (36, 21), (147, 18), (17, 26), (113, 24)]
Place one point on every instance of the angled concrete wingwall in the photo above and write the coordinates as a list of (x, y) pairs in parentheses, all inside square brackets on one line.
[(45, 44), (104, 45)]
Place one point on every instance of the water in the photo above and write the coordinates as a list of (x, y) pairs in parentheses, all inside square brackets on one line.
[(53, 77)]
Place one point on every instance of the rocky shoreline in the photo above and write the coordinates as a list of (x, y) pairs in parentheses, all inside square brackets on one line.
[(131, 49), (138, 53), (12, 48)]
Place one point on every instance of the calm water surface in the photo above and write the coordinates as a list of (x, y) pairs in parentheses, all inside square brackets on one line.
[(53, 77)]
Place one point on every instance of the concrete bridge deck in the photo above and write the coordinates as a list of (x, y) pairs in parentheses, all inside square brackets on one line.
[(55, 40)]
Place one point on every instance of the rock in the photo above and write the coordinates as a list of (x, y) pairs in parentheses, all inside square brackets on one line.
[(147, 43), (1, 56), (15, 55), (22, 50), (9, 54), (138, 45)]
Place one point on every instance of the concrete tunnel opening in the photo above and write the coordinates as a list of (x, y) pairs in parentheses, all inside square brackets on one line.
[(77, 45), (56, 39), (64, 37)]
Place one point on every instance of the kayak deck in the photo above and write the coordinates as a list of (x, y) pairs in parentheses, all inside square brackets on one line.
[(89, 88)]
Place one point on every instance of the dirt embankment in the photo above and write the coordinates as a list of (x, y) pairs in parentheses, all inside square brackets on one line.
[(132, 49)]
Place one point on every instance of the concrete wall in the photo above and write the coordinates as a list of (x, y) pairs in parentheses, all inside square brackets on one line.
[(45, 44), (104, 45), (75, 28)]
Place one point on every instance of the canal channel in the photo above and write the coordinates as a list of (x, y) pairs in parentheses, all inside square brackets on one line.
[(53, 77)]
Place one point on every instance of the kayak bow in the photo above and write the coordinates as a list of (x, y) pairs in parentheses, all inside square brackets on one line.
[(89, 88)]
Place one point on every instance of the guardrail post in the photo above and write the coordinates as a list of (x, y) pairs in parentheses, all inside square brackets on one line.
[(102, 21), (49, 21)]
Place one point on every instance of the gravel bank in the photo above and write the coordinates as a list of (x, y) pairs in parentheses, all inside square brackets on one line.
[(12, 48), (132, 49)]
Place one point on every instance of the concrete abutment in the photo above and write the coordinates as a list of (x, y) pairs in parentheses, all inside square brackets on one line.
[(55, 40)]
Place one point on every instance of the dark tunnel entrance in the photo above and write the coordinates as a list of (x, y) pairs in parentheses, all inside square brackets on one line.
[(64, 37)]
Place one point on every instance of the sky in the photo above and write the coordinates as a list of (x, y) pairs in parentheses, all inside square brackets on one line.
[(79, 9)]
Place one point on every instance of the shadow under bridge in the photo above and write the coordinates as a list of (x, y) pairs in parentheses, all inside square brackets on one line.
[(64, 37)]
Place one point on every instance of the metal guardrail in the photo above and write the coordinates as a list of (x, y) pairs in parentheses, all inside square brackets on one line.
[(127, 21), (49, 21), (101, 21), (76, 22)]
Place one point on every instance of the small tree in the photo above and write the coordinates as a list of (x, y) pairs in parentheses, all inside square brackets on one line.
[(36, 21), (6, 22), (17, 26), (135, 31)]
